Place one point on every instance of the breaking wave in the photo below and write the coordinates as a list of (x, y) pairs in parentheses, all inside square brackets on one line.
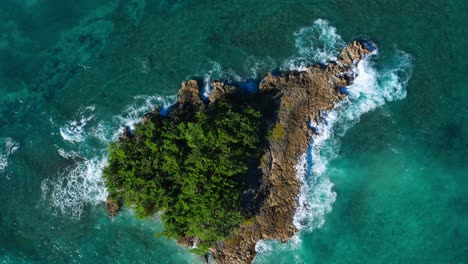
[(217, 72)]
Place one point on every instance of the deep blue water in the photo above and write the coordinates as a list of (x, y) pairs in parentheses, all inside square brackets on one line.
[(387, 177)]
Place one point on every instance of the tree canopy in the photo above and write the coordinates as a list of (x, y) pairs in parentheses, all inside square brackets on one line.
[(191, 169)]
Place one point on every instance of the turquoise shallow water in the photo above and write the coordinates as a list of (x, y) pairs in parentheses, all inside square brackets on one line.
[(386, 180)]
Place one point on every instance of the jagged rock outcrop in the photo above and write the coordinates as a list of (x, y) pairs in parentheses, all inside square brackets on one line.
[(220, 90), (189, 96)]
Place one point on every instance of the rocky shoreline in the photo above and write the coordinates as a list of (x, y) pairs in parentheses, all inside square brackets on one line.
[(292, 102)]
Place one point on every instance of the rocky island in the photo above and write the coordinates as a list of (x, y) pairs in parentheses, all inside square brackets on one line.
[(221, 170)]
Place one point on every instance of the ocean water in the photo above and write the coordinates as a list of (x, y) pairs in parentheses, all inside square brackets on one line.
[(385, 181)]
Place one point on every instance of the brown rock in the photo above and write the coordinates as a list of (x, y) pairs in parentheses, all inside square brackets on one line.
[(220, 90), (189, 95), (112, 206)]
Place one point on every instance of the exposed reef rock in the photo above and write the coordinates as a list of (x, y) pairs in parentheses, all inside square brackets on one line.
[(290, 101)]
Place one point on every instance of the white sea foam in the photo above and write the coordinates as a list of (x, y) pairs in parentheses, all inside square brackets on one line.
[(255, 67), (101, 132), (141, 105), (317, 43), (75, 187), (74, 130), (215, 73), (68, 154), (293, 243), (9, 147), (3, 162), (82, 183), (209, 76), (263, 248)]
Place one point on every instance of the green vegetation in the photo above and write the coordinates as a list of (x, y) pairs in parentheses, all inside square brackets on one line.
[(190, 168), (249, 221), (277, 132)]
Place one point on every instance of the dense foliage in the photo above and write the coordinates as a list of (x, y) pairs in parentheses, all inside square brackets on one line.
[(191, 170)]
